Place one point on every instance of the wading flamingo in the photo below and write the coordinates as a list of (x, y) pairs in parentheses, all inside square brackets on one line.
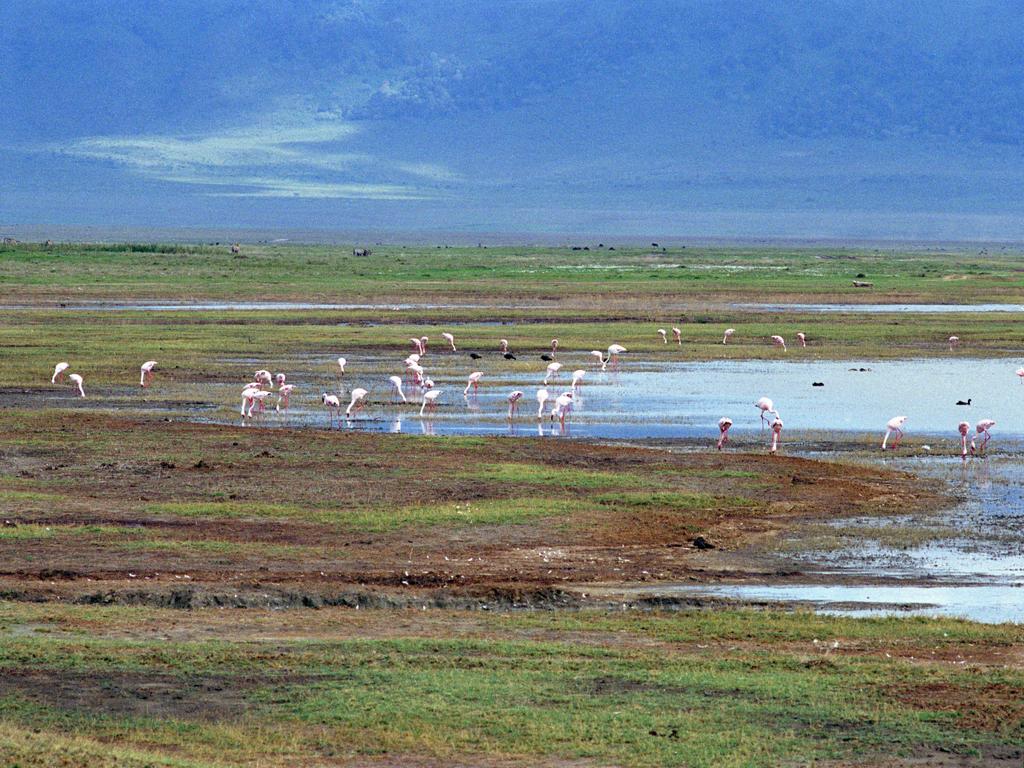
[(423, 343), (264, 377), (677, 335), (664, 335), (503, 344), (982, 428), (895, 424), (613, 354), (147, 372), (358, 401), (723, 426), (450, 339), (954, 341), (1020, 375), (284, 393), (562, 407), (280, 379), (577, 378), (778, 341), (333, 405), (963, 428), (513, 403), (601, 359), (77, 381), (58, 371), (430, 400), (766, 406), (776, 431), (542, 397), (553, 369), (396, 382), (258, 399), (474, 381), (341, 365), (802, 338), (247, 394), (554, 347), (728, 334), (418, 345)]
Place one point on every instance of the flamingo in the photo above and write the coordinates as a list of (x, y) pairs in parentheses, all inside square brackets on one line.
[(416, 373), (613, 354), (450, 339), (728, 334), (664, 335), (358, 401), (802, 338), (963, 428), (59, 369), (418, 345), (554, 347), (562, 407), (1020, 375), (553, 369), (264, 377), (284, 393), (280, 380), (77, 381), (427, 384), (723, 426), (423, 344), (247, 393), (396, 382), (147, 372), (503, 344), (577, 378), (474, 381), (258, 397), (542, 397), (954, 341), (430, 400), (778, 341), (982, 428), (677, 335), (513, 403), (776, 431), (766, 406), (600, 358), (333, 405), (895, 424), (341, 365)]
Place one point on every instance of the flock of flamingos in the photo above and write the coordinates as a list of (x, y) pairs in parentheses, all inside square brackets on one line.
[(255, 393)]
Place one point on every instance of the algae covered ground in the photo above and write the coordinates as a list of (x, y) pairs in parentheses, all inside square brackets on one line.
[(180, 593)]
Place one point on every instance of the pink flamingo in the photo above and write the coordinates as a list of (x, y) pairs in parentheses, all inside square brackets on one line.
[(423, 344), (601, 359), (280, 380), (542, 397), (664, 335), (724, 424), (554, 347), (358, 401), (553, 369), (562, 407), (613, 355), (418, 345), (954, 341), (284, 393), (895, 424), (503, 344), (513, 403), (264, 377), (577, 378), (963, 428), (677, 335), (247, 393), (147, 372), (474, 381), (766, 406), (450, 339), (416, 373), (776, 431), (341, 365), (333, 406), (802, 338), (430, 400), (982, 428), (728, 335), (77, 381), (396, 382), (257, 399), (1020, 375), (778, 341), (58, 371)]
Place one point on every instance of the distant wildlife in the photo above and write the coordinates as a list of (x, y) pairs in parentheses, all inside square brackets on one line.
[(147, 372), (475, 356), (724, 424), (776, 431), (509, 356), (553, 369), (778, 341), (728, 334), (430, 400), (450, 339), (982, 428), (895, 424), (954, 341), (677, 334), (817, 383), (664, 335), (964, 402), (513, 403), (802, 338), (58, 372), (77, 381), (358, 401), (546, 358), (542, 397), (766, 406), (473, 381)]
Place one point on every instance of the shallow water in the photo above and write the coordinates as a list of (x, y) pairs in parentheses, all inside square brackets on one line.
[(883, 308), (987, 603)]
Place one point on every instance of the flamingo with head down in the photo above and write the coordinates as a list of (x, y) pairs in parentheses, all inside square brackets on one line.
[(982, 428), (778, 341), (664, 335), (954, 341), (513, 403), (542, 397), (358, 401), (766, 406), (396, 382), (474, 382), (601, 358), (450, 339), (341, 365), (553, 369), (724, 424), (728, 335), (577, 378), (895, 424), (562, 407), (677, 335), (77, 381), (776, 432), (333, 405), (430, 400), (802, 338), (58, 371), (613, 354), (284, 393), (147, 372)]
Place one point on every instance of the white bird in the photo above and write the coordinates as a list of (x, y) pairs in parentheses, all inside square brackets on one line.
[(264, 377), (147, 372), (358, 400), (600, 357), (728, 334), (450, 339), (341, 365), (542, 397), (503, 344), (664, 335), (562, 407), (430, 400), (677, 335), (280, 380), (778, 341), (577, 378), (247, 394), (766, 406), (553, 369), (613, 354), (474, 381), (396, 382), (513, 403), (258, 398), (284, 393), (333, 405), (77, 381), (61, 367), (895, 424)]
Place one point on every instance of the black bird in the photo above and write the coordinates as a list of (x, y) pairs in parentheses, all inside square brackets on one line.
[(509, 356), (817, 383), (546, 358), (961, 402), (475, 356)]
